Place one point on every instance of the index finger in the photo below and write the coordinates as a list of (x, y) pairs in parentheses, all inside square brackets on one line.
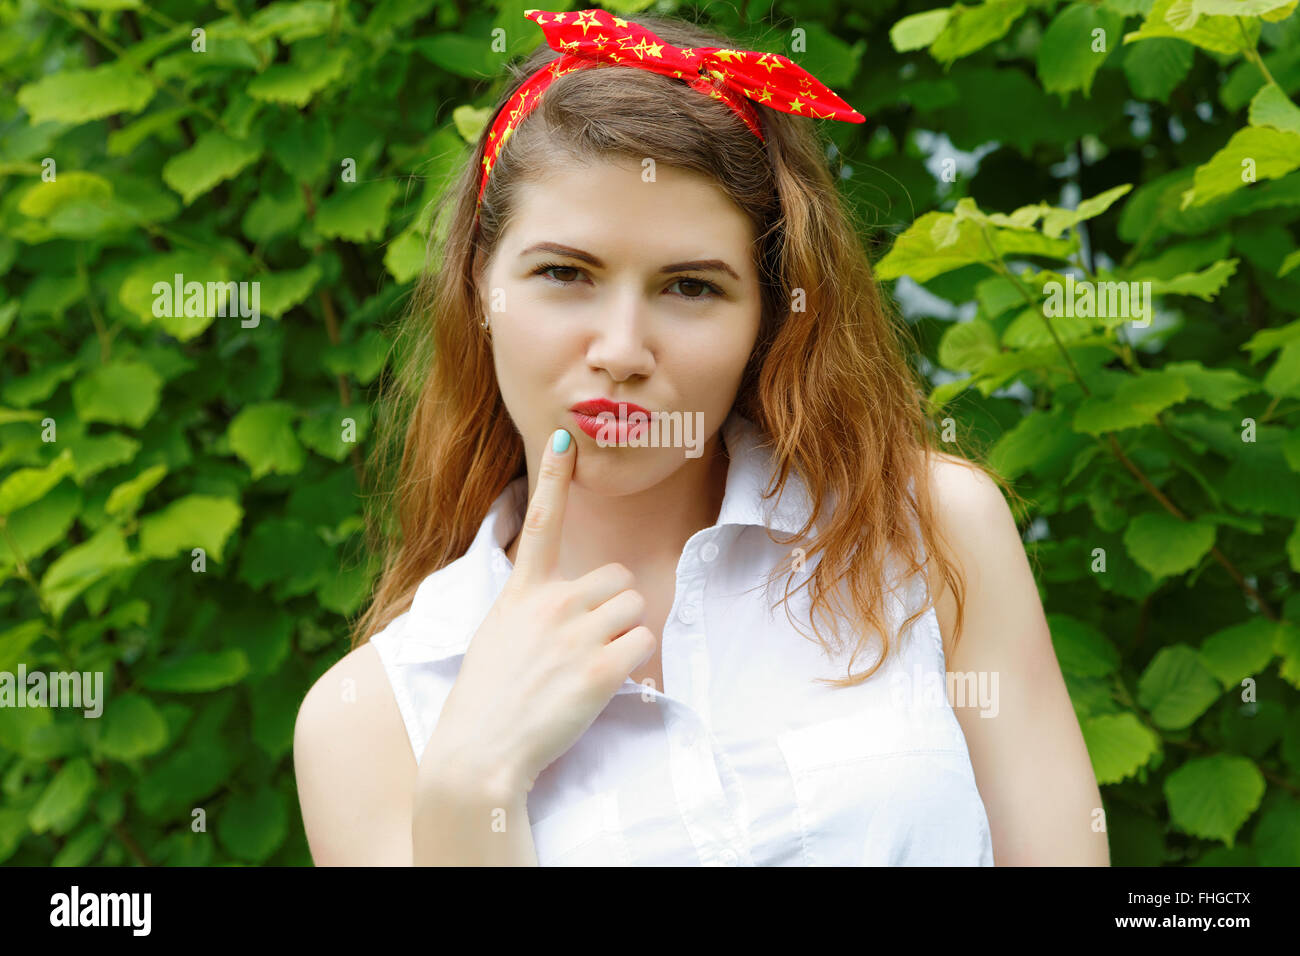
[(539, 540)]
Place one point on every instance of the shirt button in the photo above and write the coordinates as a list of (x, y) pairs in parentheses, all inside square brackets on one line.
[(730, 856), (687, 614), (708, 551)]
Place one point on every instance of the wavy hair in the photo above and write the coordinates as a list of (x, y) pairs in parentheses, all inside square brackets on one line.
[(829, 385)]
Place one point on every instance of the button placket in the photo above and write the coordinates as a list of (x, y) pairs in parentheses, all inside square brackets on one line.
[(696, 783)]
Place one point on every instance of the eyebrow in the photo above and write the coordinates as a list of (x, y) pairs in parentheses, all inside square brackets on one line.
[(693, 265)]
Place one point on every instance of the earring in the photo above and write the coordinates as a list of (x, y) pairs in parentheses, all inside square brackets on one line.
[(484, 324)]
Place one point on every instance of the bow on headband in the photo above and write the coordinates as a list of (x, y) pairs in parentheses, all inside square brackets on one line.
[(593, 38)]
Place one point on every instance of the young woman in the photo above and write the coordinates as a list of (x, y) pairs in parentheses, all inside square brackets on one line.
[(573, 655)]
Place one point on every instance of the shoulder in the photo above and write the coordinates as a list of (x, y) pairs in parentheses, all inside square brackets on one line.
[(961, 489), (354, 765), (978, 534)]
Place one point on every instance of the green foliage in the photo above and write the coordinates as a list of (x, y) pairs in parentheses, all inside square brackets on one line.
[(179, 484)]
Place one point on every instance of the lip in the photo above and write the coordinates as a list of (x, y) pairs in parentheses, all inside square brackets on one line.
[(587, 415)]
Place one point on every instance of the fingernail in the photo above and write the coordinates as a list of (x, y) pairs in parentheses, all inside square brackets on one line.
[(560, 441)]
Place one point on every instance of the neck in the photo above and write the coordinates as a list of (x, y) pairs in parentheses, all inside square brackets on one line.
[(646, 530)]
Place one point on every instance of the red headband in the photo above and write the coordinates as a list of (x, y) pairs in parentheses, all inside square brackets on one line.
[(592, 38)]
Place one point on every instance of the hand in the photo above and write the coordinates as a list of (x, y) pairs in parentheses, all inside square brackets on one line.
[(550, 654)]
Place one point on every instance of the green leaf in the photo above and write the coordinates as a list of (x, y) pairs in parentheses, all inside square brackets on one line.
[(1165, 546), (46, 198), (1119, 745), (1254, 153), (262, 435), (301, 146), (251, 826), (214, 158), (919, 30), (405, 256), (1292, 261), (938, 243), (1240, 651), (197, 673), (1155, 68), (1067, 59), (972, 28), (122, 393), (13, 827), (195, 521), (462, 55), (1211, 797), (1176, 687), (284, 549), (297, 82), (29, 485), (126, 498), (183, 778), (323, 431), (1081, 648), (81, 566), (1220, 388), (1286, 645), (1283, 379), (1205, 284), (81, 848), (965, 345), (78, 96), (1056, 221), (64, 799), (1236, 8), (356, 212), (290, 21), (281, 291), (1175, 18), (1136, 402), (346, 590), (1031, 329), (96, 453), (1277, 835), (15, 641), (1035, 439), (133, 728), (1272, 107)]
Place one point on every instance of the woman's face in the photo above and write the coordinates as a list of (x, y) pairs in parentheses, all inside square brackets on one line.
[(608, 286)]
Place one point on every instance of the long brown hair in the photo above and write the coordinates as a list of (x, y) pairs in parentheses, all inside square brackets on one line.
[(827, 384)]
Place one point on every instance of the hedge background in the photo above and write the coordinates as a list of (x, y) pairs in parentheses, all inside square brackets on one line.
[(1008, 143)]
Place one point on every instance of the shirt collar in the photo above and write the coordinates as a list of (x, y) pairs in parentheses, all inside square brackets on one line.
[(452, 602)]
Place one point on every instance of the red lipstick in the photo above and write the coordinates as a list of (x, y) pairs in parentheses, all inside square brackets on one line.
[(603, 417)]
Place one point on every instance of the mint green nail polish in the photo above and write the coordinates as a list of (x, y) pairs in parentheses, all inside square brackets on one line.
[(560, 441)]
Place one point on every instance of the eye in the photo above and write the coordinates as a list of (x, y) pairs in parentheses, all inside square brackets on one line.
[(696, 288), (565, 278), (692, 288)]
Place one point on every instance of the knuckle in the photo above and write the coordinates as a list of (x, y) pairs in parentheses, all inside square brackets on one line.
[(622, 575), (551, 468), (537, 518)]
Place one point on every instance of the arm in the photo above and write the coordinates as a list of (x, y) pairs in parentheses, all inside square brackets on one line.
[(1030, 761), (366, 803)]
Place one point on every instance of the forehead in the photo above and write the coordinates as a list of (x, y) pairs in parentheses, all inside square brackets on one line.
[(647, 210)]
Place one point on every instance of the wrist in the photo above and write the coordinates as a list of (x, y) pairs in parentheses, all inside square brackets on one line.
[(473, 776)]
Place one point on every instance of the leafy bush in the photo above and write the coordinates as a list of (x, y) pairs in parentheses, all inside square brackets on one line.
[(180, 501)]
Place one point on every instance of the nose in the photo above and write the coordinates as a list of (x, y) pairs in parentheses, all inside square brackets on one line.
[(621, 342)]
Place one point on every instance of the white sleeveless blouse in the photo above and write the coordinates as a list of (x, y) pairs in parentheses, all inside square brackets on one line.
[(742, 759)]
